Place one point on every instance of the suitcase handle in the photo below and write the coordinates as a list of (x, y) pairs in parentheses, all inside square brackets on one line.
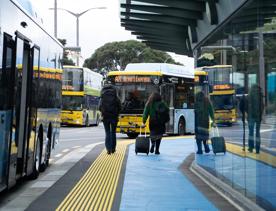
[(141, 130), (215, 131)]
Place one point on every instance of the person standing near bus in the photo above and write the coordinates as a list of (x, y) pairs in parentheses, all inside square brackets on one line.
[(158, 112), (110, 107), (203, 110)]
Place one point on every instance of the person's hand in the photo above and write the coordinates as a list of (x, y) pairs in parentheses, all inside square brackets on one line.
[(213, 124), (143, 125)]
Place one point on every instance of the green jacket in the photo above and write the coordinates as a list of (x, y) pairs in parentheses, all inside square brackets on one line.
[(150, 110)]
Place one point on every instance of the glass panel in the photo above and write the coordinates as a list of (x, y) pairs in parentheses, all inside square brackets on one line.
[(5, 112), (74, 103), (135, 96), (72, 79), (249, 166)]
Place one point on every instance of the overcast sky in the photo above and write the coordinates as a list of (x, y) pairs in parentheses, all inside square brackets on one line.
[(97, 27)]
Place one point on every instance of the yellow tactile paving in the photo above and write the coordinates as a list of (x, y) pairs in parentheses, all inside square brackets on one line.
[(96, 189), (262, 156)]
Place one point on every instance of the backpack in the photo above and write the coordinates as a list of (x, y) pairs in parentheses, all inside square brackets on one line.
[(161, 115), (109, 105)]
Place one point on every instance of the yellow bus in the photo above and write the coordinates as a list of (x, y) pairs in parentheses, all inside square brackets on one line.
[(80, 96), (175, 83), (223, 100), (222, 93)]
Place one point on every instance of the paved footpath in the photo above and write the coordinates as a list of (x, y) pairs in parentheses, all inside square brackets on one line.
[(125, 181)]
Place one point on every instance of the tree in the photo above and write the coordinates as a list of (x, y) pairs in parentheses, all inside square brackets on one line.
[(116, 55), (65, 60)]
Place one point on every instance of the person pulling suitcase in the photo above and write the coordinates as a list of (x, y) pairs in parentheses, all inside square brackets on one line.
[(158, 112), (203, 111)]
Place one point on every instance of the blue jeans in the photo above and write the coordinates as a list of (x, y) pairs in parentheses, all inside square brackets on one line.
[(251, 126), (110, 134)]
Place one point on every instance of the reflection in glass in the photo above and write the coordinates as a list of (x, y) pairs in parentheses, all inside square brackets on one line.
[(73, 103)]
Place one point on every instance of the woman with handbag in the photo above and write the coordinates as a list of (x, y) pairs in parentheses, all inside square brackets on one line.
[(158, 112)]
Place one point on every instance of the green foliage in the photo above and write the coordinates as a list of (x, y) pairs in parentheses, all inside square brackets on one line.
[(116, 55), (65, 60), (205, 62)]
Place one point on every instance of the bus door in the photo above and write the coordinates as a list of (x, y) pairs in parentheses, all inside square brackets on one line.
[(20, 118), (167, 93), (6, 91)]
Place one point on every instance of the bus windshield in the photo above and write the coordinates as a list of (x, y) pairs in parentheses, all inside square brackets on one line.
[(72, 79), (72, 103), (222, 102), (220, 75), (135, 96)]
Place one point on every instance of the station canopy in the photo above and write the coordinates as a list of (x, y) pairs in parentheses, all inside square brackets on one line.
[(182, 25)]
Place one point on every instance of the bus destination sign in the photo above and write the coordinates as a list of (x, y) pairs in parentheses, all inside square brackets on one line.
[(132, 79)]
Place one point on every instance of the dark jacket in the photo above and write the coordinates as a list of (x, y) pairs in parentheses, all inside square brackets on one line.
[(156, 128), (114, 103), (203, 111), (254, 104)]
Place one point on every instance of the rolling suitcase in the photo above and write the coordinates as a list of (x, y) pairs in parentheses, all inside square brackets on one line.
[(142, 143), (218, 142)]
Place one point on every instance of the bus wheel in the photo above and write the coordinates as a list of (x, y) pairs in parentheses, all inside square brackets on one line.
[(48, 152), (87, 121), (98, 120), (132, 135), (37, 160), (181, 127)]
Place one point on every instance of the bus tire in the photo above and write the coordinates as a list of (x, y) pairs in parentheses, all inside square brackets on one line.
[(132, 135), (87, 121), (48, 152), (98, 120), (37, 160), (181, 127)]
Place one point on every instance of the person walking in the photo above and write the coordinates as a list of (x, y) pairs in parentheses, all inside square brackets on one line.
[(158, 112), (110, 107), (254, 109), (203, 111)]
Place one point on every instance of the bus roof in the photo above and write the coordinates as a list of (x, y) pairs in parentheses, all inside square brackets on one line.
[(200, 72), (216, 66), (114, 73), (162, 68), (71, 66)]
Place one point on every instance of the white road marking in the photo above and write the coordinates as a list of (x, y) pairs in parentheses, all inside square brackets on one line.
[(75, 147), (43, 184), (58, 155), (65, 150)]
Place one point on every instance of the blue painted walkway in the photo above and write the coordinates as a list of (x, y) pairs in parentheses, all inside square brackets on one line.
[(155, 182)]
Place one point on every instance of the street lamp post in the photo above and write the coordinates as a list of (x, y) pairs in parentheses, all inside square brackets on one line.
[(77, 16)]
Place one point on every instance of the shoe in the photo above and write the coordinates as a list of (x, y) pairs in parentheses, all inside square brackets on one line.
[(257, 152), (199, 152), (152, 149), (108, 152), (157, 152), (113, 151), (207, 151), (250, 150)]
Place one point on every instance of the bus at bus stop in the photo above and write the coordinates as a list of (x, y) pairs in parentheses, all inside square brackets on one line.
[(30, 93), (80, 96), (175, 83)]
